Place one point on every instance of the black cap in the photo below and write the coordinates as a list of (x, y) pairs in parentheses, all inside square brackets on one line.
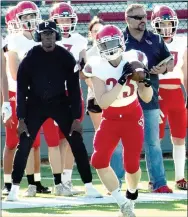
[(47, 25)]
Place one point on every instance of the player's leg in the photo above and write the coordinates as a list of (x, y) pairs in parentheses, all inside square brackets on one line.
[(11, 143), (33, 170), (178, 125), (68, 159), (63, 118), (37, 175), (33, 120), (132, 142), (52, 139), (117, 162), (105, 142)]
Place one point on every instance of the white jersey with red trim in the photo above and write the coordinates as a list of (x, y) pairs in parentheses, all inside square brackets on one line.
[(101, 68), (132, 55), (75, 44), (19, 44), (177, 48)]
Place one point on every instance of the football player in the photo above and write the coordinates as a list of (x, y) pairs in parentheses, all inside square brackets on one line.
[(122, 117), (66, 19), (6, 108), (25, 17), (164, 20), (93, 109)]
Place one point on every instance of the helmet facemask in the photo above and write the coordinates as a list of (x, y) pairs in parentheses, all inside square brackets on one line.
[(30, 24), (110, 48), (66, 28), (166, 32)]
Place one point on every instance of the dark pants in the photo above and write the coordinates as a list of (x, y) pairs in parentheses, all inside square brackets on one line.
[(36, 116)]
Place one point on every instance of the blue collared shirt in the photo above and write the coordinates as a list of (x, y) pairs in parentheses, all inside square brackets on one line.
[(155, 49)]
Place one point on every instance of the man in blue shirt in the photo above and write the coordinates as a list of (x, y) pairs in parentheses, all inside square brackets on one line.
[(139, 38)]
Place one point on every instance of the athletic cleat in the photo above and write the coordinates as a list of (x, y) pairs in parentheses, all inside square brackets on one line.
[(72, 189), (31, 191), (127, 209), (62, 190), (93, 193), (6, 189), (13, 196), (182, 184), (163, 189), (43, 190)]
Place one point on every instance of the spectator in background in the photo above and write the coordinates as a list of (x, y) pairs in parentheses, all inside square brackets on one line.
[(139, 38), (93, 109)]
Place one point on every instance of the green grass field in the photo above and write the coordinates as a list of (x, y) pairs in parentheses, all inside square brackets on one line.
[(161, 208)]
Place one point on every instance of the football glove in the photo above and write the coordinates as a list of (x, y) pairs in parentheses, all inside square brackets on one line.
[(127, 70)]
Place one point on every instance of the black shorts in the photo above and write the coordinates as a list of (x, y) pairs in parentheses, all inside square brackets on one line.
[(92, 106)]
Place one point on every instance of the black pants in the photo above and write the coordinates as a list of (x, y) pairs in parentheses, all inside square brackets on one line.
[(36, 116)]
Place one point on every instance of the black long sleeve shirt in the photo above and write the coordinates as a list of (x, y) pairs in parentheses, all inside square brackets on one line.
[(41, 78)]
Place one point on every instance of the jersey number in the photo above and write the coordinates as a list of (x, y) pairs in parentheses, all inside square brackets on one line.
[(128, 83), (175, 55), (68, 46)]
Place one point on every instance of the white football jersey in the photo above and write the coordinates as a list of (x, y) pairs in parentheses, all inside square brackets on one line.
[(21, 45), (102, 69), (177, 48), (75, 44)]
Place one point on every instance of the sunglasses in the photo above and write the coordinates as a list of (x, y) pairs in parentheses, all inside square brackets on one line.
[(138, 17)]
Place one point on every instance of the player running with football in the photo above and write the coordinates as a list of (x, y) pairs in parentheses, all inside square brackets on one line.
[(122, 117)]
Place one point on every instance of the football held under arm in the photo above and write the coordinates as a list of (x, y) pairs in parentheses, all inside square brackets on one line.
[(105, 98)]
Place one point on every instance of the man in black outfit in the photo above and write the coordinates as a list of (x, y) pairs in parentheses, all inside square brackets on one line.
[(41, 95)]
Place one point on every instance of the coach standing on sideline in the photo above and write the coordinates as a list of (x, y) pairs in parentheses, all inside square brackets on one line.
[(139, 38), (44, 70)]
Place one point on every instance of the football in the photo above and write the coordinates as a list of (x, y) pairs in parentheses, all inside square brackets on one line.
[(138, 74)]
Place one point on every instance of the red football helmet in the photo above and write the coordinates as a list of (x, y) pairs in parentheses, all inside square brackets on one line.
[(110, 42), (26, 8), (162, 14), (64, 10), (11, 20)]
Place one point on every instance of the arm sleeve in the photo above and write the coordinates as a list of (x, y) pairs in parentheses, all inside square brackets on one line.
[(22, 88), (73, 87), (164, 52)]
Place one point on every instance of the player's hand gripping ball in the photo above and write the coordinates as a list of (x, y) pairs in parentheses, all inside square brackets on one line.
[(138, 68)]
